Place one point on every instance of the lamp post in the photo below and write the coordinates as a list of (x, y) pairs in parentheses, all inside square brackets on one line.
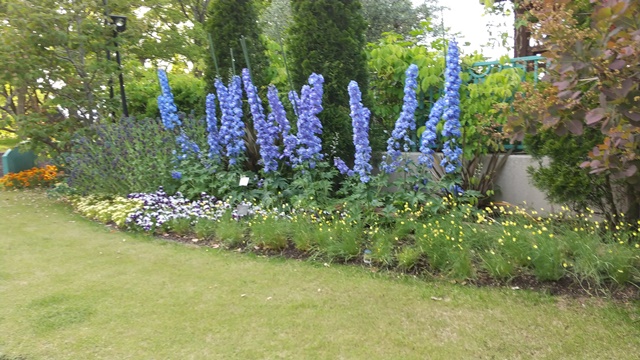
[(120, 23)]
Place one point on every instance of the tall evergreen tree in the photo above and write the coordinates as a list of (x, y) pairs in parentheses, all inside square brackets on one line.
[(228, 21), (327, 37)]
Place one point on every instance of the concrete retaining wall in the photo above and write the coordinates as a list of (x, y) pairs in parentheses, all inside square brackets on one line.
[(514, 186)]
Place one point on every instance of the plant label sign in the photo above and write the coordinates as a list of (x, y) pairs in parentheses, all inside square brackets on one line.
[(242, 209), (244, 181)]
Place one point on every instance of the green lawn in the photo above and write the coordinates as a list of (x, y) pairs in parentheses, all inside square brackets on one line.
[(73, 289)]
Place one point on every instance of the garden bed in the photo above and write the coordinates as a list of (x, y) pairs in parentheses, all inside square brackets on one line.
[(565, 286)]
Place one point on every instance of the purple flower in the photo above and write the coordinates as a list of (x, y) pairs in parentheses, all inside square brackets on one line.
[(279, 116), (360, 122), (187, 147), (456, 190), (400, 137), (159, 208), (266, 131), (430, 133), (452, 152), (309, 126), (342, 167), (295, 102), (231, 133), (212, 127), (176, 175)]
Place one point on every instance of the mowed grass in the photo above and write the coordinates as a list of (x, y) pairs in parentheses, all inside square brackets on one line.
[(73, 289)]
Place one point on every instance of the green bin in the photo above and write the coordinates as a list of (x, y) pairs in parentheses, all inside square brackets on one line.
[(14, 160)]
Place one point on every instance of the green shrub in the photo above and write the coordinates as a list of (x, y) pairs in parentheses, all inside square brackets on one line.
[(327, 37), (227, 22), (562, 179), (189, 94)]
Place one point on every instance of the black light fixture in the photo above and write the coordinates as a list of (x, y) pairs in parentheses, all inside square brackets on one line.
[(120, 23)]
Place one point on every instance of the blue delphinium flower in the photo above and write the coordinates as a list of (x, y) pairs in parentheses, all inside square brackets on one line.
[(212, 127), (456, 190), (176, 175), (164, 83), (360, 121), (168, 112), (187, 146), (266, 131), (279, 116), (295, 102), (400, 137), (309, 126), (231, 133), (166, 105), (342, 167), (430, 133), (451, 149)]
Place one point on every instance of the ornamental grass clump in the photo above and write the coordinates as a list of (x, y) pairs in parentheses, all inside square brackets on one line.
[(270, 232), (32, 178)]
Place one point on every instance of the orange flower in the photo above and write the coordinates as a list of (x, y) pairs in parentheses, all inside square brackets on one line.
[(30, 178)]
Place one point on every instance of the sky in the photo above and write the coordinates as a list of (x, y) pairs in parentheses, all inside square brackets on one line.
[(466, 17)]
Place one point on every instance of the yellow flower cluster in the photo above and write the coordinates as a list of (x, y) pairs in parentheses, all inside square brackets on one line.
[(35, 177), (114, 210)]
